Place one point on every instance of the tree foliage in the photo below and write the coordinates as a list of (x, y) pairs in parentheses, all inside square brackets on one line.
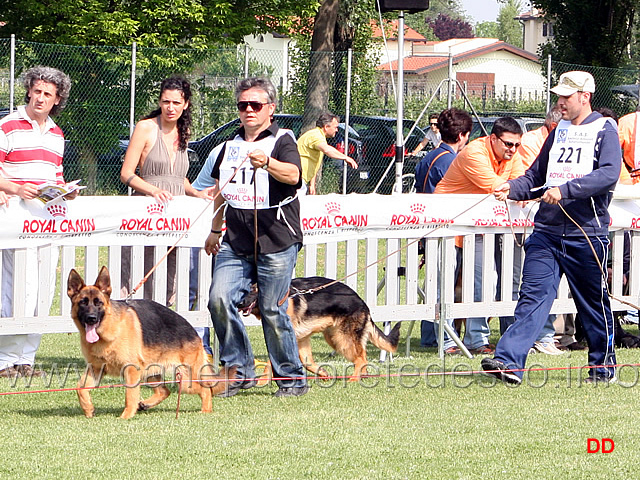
[(99, 100), (590, 32), (445, 27), (420, 21), (509, 29), (487, 30)]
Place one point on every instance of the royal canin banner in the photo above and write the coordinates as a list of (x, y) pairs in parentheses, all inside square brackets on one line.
[(101, 221), (120, 220)]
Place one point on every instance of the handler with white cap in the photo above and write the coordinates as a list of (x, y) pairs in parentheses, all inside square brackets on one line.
[(577, 169)]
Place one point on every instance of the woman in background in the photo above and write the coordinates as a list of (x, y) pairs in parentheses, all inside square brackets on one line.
[(158, 150)]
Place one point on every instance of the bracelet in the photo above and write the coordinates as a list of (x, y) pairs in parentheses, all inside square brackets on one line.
[(217, 232), (129, 180)]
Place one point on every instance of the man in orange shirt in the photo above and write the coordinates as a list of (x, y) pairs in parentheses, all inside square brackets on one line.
[(627, 132), (481, 167), (532, 141)]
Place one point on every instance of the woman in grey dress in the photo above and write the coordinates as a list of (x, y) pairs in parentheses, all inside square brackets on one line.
[(158, 150)]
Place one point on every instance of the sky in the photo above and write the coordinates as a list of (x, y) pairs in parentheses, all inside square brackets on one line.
[(481, 10)]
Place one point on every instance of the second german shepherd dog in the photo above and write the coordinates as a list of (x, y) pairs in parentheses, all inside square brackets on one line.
[(137, 340), (339, 313)]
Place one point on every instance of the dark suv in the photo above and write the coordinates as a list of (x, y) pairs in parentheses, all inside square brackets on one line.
[(357, 179), (378, 135)]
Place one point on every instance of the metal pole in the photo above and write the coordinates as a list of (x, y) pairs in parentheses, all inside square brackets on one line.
[(347, 108), (450, 85), (132, 100), (400, 105), (548, 83), (246, 60), (12, 70)]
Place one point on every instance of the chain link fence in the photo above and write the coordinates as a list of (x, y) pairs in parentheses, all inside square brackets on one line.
[(96, 120)]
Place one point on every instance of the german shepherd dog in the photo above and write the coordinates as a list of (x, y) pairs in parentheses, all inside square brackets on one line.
[(137, 340), (339, 313)]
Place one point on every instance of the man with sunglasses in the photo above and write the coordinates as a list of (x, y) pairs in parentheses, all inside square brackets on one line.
[(432, 136), (574, 176), (481, 167), (259, 174)]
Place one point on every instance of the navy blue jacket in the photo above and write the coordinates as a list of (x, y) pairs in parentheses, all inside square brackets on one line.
[(585, 199), (443, 156)]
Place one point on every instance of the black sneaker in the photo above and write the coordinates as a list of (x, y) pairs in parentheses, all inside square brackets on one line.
[(234, 387), (497, 369), (291, 391)]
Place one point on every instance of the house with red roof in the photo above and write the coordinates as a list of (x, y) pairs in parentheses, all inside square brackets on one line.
[(482, 67)]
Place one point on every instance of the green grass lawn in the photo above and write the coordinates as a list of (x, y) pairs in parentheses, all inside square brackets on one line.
[(461, 427)]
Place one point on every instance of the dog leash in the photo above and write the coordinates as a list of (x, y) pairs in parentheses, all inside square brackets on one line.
[(595, 255), (333, 282)]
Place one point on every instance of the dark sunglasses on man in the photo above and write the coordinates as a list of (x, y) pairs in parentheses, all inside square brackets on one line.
[(255, 106)]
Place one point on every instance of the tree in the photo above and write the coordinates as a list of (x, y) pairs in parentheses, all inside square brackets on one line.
[(445, 27), (317, 98), (97, 112), (487, 30), (602, 41), (509, 29), (419, 21)]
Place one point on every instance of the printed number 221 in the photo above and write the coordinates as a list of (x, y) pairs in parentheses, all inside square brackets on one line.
[(569, 151)]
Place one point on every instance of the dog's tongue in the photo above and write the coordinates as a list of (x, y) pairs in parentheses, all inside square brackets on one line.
[(91, 334)]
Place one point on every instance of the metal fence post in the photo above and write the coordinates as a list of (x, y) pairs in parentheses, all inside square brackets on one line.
[(132, 101), (450, 85), (346, 119), (246, 60), (132, 98), (548, 83), (12, 70)]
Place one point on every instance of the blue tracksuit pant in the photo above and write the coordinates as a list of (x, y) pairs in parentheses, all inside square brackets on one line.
[(548, 257)]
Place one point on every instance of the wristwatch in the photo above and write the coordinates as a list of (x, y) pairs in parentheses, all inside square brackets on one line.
[(266, 165)]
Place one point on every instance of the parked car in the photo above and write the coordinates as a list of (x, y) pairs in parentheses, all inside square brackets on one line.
[(357, 180), (527, 124), (378, 135)]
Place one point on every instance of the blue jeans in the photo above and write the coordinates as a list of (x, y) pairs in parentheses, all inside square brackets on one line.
[(477, 328), (548, 257), (232, 279), (548, 331)]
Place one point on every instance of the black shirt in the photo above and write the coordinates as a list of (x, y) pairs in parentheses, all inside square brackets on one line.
[(274, 234)]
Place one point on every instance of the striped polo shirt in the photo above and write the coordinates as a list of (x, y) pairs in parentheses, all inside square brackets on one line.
[(27, 154)]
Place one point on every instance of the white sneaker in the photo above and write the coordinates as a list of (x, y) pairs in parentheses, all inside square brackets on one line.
[(547, 347)]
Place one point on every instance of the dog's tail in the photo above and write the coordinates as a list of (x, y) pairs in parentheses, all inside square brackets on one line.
[(382, 341), (217, 382)]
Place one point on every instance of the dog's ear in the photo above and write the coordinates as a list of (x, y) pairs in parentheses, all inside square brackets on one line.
[(103, 282), (75, 283)]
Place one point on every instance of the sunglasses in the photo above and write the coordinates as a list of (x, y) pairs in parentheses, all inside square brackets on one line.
[(255, 106), (510, 144), (433, 123)]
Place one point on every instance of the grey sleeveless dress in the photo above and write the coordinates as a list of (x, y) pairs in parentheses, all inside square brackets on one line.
[(157, 169)]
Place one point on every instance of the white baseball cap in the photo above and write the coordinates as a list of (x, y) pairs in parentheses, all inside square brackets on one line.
[(572, 82)]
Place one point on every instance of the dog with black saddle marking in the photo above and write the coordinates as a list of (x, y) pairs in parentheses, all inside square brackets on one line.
[(339, 313), (137, 340)]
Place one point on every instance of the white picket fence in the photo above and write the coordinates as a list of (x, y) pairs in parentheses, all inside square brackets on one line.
[(395, 289)]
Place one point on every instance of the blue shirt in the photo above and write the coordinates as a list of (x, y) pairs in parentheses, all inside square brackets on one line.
[(441, 159)]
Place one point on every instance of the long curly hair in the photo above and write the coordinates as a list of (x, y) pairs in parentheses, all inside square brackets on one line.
[(184, 122)]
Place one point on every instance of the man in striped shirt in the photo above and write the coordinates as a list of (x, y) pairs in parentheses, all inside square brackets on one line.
[(31, 149)]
